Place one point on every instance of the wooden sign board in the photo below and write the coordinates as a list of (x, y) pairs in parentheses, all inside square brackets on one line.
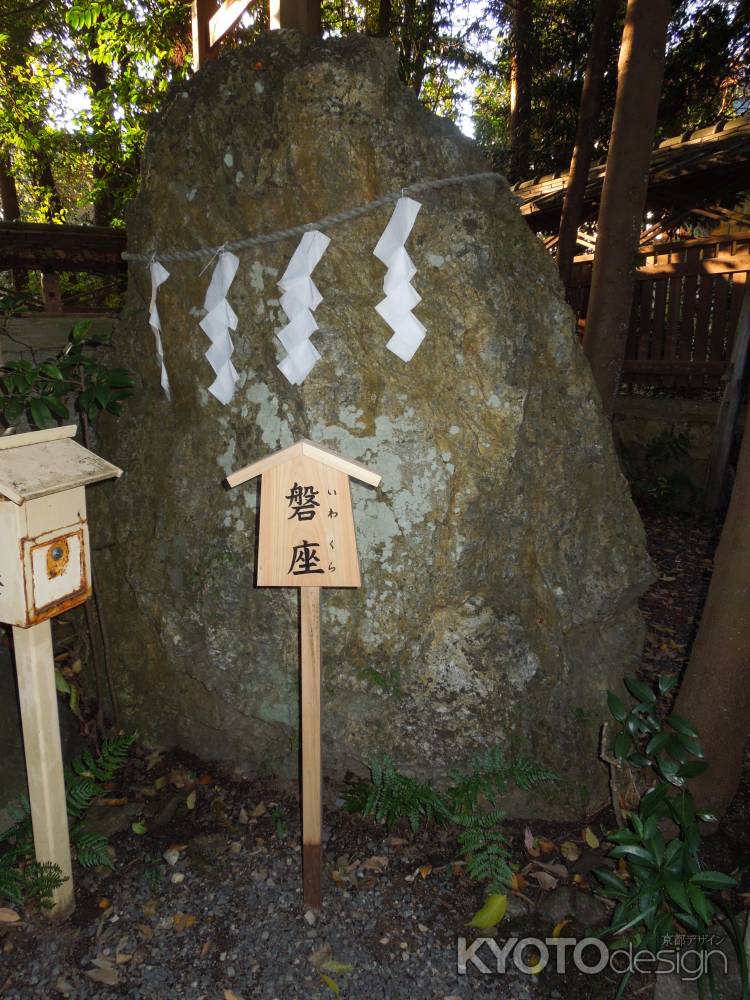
[(307, 541), (306, 527)]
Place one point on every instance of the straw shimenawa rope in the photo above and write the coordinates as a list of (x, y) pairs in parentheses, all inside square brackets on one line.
[(336, 219)]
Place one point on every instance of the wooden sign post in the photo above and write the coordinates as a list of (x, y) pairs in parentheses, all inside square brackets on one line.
[(307, 541), (45, 569)]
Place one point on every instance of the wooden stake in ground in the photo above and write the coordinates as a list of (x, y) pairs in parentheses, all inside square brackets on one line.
[(45, 569), (307, 541)]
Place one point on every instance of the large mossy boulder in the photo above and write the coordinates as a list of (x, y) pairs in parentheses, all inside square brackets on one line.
[(502, 558)]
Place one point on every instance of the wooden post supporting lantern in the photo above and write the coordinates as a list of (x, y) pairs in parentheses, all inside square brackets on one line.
[(45, 569), (307, 541)]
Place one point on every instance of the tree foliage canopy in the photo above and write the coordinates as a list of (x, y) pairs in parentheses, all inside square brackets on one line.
[(81, 82)]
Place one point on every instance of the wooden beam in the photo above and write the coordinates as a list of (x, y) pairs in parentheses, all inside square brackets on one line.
[(724, 263), (300, 15), (731, 402), (225, 19), (37, 697), (312, 809), (715, 368), (202, 12), (35, 246)]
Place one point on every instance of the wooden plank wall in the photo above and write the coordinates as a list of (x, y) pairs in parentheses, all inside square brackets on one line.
[(42, 335), (686, 305)]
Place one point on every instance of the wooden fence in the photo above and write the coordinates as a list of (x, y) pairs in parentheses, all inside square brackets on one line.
[(686, 305)]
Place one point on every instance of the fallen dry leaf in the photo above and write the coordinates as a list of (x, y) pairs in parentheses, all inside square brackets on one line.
[(182, 921), (190, 800), (377, 863), (153, 759), (546, 846), (259, 810), (545, 880), (529, 842), (591, 838), (320, 957), (104, 904), (517, 882), (424, 870), (570, 851), (231, 995), (559, 927), (8, 916), (107, 976), (555, 868)]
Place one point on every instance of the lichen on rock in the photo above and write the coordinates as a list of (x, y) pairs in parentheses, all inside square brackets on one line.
[(501, 558)]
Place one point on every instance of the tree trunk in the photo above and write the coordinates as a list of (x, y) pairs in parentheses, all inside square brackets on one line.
[(639, 78), (591, 102), (520, 90), (384, 19), (715, 694), (8, 192), (104, 153), (11, 209), (43, 176)]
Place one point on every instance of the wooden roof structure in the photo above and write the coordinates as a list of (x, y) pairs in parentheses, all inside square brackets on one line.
[(305, 449), (39, 463), (704, 166)]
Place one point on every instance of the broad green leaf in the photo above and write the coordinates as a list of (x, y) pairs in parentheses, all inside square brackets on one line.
[(40, 412), (139, 828), (612, 882), (640, 690), (693, 769), (493, 911), (58, 408), (677, 890), (700, 903), (60, 682), (637, 919), (623, 837), (714, 880), (658, 742), (667, 682), (616, 706), (623, 745), (677, 750), (682, 726), (633, 851)]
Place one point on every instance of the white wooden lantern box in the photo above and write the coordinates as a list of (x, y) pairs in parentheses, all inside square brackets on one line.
[(45, 563)]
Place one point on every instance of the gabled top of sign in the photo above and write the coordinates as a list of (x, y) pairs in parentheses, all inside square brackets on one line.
[(305, 449), (42, 462)]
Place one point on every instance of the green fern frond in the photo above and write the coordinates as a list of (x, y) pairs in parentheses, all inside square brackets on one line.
[(91, 848), (20, 883), (22, 879), (486, 849), (393, 796), (526, 773), (40, 881)]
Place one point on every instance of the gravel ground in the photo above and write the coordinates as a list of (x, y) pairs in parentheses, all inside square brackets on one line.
[(207, 902)]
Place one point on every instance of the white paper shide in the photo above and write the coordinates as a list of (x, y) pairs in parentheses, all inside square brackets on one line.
[(220, 318), (159, 275), (299, 300), (400, 297)]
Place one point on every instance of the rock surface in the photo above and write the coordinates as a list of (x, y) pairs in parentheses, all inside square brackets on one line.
[(502, 558)]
